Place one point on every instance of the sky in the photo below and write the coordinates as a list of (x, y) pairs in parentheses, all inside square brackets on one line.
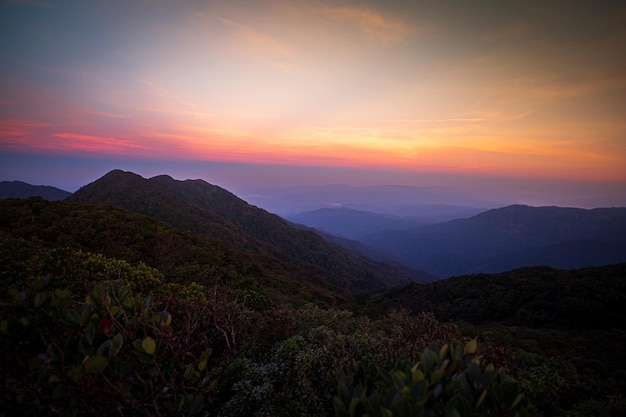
[(487, 94)]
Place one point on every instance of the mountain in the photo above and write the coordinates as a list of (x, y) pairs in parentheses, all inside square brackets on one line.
[(207, 209), (369, 252), (511, 237), (352, 224), (37, 237), (19, 189), (532, 296), (435, 204)]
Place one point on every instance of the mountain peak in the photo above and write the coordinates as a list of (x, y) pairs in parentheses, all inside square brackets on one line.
[(214, 212), (163, 177), (118, 173)]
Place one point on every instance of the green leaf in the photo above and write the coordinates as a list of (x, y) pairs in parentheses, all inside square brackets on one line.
[(482, 398), (96, 364), (438, 375), (471, 347), (85, 314), (58, 392), (197, 405), (117, 341), (90, 333), (451, 409), (517, 401), (40, 298), (416, 374), (148, 345), (77, 373)]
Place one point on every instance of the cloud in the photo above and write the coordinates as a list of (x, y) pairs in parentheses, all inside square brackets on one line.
[(11, 128), (106, 144), (261, 44), (377, 27)]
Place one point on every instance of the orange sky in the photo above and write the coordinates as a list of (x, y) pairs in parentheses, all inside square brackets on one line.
[(521, 89)]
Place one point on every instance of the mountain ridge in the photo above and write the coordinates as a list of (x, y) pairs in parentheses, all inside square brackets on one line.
[(216, 213), (20, 189), (351, 223), (464, 246)]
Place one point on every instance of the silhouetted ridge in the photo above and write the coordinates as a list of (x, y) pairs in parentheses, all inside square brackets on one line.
[(20, 189)]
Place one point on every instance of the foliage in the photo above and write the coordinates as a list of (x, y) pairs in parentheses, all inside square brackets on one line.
[(200, 207), (531, 297), (111, 353), (104, 311), (37, 237), (447, 381)]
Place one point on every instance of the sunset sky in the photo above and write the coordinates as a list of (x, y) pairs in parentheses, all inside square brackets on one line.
[(320, 91)]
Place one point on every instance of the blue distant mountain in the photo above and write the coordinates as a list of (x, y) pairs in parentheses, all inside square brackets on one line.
[(435, 204), (511, 237), (19, 189), (353, 224)]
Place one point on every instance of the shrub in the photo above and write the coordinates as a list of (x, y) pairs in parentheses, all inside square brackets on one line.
[(447, 381), (109, 353)]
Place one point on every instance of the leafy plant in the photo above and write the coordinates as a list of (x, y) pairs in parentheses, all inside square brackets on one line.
[(447, 381)]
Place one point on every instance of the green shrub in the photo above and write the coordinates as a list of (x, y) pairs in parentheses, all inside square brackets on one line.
[(447, 381), (107, 353)]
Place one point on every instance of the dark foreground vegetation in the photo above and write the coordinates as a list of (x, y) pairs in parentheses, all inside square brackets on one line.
[(105, 312)]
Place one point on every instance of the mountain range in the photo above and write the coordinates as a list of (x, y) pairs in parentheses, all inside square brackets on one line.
[(431, 204), (215, 213), (511, 237), (20, 189), (358, 249), (496, 240), (354, 224), (290, 300)]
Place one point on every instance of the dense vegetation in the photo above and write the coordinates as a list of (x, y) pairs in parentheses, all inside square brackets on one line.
[(564, 331), (108, 312), (35, 235), (113, 349), (588, 298), (203, 208)]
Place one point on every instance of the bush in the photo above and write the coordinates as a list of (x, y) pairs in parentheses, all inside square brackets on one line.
[(109, 353), (447, 381)]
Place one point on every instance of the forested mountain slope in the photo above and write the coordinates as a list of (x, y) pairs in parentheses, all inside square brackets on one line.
[(200, 207), (533, 297), (36, 237)]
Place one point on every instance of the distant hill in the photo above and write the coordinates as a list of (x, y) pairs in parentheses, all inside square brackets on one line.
[(511, 237), (534, 297), (435, 204), (204, 208), (371, 253), (19, 189), (352, 224)]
